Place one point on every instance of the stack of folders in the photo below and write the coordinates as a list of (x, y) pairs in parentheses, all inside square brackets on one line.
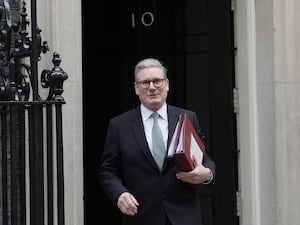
[(185, 144)]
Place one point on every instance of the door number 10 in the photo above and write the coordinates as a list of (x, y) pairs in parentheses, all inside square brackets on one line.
[(147, 19)]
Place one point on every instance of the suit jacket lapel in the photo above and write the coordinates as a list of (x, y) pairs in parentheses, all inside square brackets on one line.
[(138, 130)]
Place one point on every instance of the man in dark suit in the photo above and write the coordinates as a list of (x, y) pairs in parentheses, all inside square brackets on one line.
[(145, 193)]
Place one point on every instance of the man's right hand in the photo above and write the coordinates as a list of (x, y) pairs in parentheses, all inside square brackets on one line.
[(127, 204)]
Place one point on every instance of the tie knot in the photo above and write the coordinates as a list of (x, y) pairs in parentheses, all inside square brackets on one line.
[(155, 115)]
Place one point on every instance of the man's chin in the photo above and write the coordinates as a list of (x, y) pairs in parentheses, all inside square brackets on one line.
[(154, 104), (154, 101)]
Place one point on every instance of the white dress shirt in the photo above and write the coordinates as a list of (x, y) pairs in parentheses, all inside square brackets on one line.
[(148, 123)]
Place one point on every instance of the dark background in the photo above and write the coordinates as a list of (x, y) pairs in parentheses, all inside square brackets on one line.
[(194, 39)]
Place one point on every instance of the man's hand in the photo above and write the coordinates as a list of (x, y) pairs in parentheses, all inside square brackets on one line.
[(198, 175), (128, 204)]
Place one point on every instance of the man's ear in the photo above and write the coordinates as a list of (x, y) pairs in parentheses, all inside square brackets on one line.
[(136, 89)]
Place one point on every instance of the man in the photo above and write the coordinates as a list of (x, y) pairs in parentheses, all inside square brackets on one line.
[(144, 192)]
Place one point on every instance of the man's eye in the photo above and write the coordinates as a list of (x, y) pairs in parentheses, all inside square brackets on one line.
[(146, 82)]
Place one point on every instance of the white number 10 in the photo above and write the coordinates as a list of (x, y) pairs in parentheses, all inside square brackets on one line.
[(147, 19)]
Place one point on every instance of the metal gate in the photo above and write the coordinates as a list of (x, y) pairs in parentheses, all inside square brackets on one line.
[(31, 140)]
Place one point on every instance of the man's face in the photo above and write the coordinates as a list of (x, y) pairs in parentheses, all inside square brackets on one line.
[(152, 88)]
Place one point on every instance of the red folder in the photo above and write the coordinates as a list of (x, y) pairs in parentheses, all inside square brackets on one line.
[(185, 143)]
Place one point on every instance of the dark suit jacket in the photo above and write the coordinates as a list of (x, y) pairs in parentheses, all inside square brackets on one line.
[(127, 165)]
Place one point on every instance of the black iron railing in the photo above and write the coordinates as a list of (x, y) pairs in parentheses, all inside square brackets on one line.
[(31, 137)]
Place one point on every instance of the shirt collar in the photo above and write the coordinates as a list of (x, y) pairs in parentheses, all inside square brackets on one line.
[(146, 113)]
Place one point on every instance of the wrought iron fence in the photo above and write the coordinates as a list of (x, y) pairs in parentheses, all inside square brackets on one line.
[(31, 137)]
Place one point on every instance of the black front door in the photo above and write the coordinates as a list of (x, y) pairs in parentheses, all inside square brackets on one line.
[(193, 38)]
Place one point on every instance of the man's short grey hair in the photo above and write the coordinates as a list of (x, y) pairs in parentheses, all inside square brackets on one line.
[(149, 62)]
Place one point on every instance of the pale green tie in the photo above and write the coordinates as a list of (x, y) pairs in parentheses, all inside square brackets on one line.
[(158, 146)]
